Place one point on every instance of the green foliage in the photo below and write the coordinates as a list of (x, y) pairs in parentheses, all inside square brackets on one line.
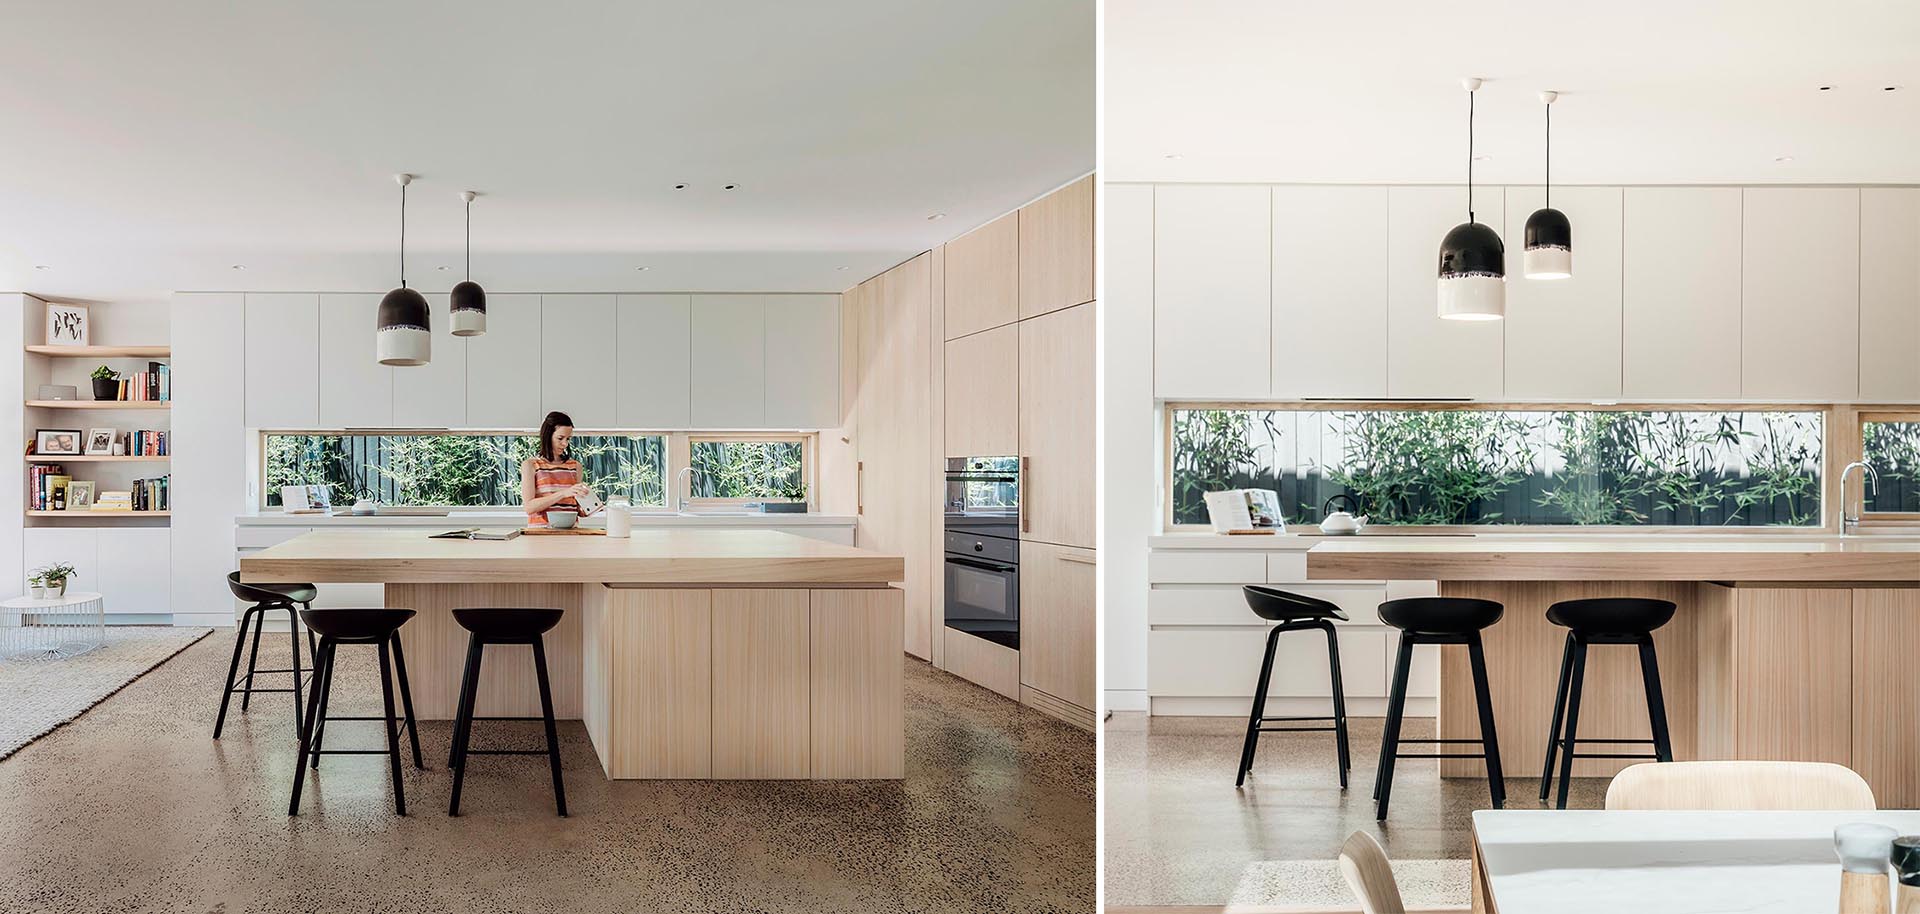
[(747, 469), (1211, 448), (56, 574), (103, 373), (1438, 467), (457, 470), (1893, 450)]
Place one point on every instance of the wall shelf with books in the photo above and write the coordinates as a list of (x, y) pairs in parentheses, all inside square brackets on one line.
[(100, 404), (99, 514), (104, 352), (95, 431), (97, 458)]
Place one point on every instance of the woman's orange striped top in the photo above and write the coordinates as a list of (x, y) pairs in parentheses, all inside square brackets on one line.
[(551, 477)]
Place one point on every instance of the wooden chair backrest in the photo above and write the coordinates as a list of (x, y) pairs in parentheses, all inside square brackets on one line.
[(1732, 785), (1365, 866)]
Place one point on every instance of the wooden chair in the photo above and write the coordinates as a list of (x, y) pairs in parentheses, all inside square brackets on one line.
[(1739, 785), (1365, 866)]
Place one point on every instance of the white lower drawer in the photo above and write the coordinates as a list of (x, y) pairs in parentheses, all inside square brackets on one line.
[(1226, 662), (1226, 604)]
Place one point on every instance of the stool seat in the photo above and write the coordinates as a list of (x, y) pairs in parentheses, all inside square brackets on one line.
[(1440, 615), (507, 623), (1611, 615), (271, 593), (356, 624), (1276, 605)]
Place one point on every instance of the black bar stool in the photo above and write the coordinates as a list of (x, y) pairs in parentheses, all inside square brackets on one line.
[(503, 626), (1607, 620), (1295, 613), (379, 627), (1439, 620), (265, 597)]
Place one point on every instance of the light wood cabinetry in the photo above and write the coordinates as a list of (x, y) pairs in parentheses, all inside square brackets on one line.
[(1057, 642), (358, 390), (982, 281), (761, 647), (1329, 292), (1212, 277), (802, 361), (1563, 335), (283, 361), (857, 682), (982, 662), (1889, 294), (1428, 357), (501, 391), (1057, 393), (1680, 314), (1800, 293), (434, 394), (981, 393), (729, 361), (662, 690), (1886, 694), (655, 362), (578, 347), (895, 438), (1056, 249)]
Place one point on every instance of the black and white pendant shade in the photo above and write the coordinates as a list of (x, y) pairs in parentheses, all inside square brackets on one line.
[(1549, 252), (1473, 274), (469, 301), (403, 333)]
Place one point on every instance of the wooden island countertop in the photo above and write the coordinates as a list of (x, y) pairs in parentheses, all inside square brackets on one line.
[(1878, 559)]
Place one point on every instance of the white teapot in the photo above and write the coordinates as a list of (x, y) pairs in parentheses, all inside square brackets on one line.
[(1341, 523)]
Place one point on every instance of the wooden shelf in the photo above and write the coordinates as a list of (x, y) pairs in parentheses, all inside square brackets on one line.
[(100, 404), (93, 458), (99, 513), (104, 352)]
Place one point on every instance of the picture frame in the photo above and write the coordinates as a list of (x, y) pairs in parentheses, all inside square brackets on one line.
[(80, 495), (61, 442), (100, 441), (68, 325)]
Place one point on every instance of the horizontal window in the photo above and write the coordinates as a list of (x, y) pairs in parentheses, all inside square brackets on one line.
[(1892, 448), (1440, 466), (455, 469), (748, 469)]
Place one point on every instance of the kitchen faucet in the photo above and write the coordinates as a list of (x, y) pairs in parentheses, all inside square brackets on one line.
[(1870, 479), (680, 484)]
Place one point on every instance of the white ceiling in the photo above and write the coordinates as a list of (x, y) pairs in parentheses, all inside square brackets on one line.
[(1652, 91), (147, 147)]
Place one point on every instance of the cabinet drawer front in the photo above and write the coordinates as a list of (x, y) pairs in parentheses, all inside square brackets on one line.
[(1206, 568), (1198, 663), (1226, 604)]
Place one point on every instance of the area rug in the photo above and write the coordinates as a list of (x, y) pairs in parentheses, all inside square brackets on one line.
[(39, 695), (1424, 885)]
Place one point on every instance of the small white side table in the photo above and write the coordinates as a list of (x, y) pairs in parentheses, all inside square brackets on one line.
[(53, 628)]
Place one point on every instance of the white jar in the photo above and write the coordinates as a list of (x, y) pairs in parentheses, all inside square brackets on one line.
[(619, 517)]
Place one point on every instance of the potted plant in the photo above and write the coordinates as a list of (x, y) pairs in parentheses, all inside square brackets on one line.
[(38, 582), (796, 494), (55, 576), (106, 384)]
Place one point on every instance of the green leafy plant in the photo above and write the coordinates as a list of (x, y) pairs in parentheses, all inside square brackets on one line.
[(103, 373), (1437, 467), (1893, 450), (57, 574), (747, 469)]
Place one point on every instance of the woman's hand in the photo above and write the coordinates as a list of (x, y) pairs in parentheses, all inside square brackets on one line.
[(579, 489)]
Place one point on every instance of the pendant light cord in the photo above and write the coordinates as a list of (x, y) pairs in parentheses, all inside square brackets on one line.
[(468, 269), (1470, 95), (403, 236), (1549, 155)]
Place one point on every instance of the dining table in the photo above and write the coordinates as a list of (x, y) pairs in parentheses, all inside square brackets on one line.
[(1662, 861)]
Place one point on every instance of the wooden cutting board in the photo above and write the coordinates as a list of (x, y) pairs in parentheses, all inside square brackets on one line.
[(576, 531)]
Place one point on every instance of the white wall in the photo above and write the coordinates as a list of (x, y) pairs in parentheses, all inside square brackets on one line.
[(1129, 482)]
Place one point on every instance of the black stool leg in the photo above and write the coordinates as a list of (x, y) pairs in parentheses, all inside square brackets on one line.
[(463, 721), (1576, 678), (313, 645), (320, 678), (1339, 705), (406, 698), (1390, 741), (1656, 702), (233, 669), (253, 656), (293, 637), (393, 733), (1258, 710), (553, 736), (326, 697), (1559, 712), (467, 683), (1489, 740)]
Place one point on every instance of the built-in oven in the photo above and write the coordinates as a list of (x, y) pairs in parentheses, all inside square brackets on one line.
[(983, 548)]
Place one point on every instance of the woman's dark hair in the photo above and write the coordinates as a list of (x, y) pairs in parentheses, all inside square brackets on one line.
[(553, 420)]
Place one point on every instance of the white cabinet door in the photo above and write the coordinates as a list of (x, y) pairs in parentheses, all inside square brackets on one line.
[(1890, 294), (1680, 302), (1329, 292), (803, 361), (357, 391), (1429, 358), (1800, 293), (503, 371), (283, 359), (656, 336), (729, 361), (136, 568), (434, 395), (1563, 335), (77, 546), (1212, 305), (577, 346)]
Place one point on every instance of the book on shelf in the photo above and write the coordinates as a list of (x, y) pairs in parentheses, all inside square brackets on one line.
[(148, 443), (153, 385), (151, 494), (42, 480), (114, 501)]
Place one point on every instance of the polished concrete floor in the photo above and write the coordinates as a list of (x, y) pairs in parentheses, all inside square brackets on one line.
[(1178, 833), (134, 807)]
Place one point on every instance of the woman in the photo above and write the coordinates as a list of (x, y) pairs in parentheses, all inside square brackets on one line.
[(551, 479)]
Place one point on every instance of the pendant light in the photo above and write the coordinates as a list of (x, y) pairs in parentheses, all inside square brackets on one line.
[(1549, 251), (1473, 262), (403, 336), (468, 299)]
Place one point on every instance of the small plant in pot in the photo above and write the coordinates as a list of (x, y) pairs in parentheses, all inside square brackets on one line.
[(38, 583), (55, 578), (795, 494), (106, 384)]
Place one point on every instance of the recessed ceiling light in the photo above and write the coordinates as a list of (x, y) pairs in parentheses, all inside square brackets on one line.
[(842, 269), (641, 269), (679, 187), (936, 217), (238, 266), (729, 186), (1783, 159), (42, 266), (1826, 88), (1482, 157), (1889, 88), (1172, 155), (442, 269)]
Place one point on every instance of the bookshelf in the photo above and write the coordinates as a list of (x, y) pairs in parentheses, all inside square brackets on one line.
[(93, 458), (100, 404), (99, 514), (104, 352), (72, 365)]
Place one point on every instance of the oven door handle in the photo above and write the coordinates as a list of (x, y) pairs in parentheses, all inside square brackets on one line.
[(983, 566)]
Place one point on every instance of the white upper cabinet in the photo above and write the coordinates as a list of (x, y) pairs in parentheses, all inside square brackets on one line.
[(356, 391), (655, 361), (1329, 292), (503, 374), (577, 345), (729, 361), (1213, 314), (1563, 335), (1427, 357), (283, 359), (803, 361), (1680, 309), (1890, 294), (1800, 294), (433, 395)]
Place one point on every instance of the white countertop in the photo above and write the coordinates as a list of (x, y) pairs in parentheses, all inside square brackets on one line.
[(1297, 542), (517, 519)]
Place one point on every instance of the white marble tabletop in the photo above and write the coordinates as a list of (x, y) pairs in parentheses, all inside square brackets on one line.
[(1646, 862)]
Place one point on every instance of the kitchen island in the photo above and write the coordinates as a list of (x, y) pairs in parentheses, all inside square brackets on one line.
[(688, 653), (1784, 647)]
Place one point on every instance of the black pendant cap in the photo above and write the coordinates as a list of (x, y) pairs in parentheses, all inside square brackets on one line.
[(1549, 228), (1472, 249), (468, 296), (404, 307)]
